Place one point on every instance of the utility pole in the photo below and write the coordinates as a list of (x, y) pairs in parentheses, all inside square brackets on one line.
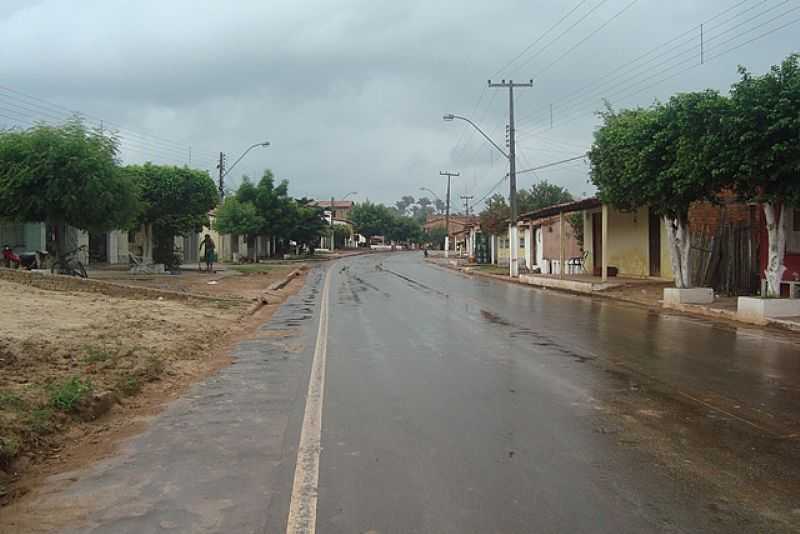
[(333, 233), (466, 200), (447, 211), (221, 167), (512, 173)]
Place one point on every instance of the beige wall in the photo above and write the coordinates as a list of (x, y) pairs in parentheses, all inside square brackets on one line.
[(503, 252), (628, 243)]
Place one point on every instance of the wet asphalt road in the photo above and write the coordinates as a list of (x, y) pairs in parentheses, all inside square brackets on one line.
[(451, 405), (458, 405)]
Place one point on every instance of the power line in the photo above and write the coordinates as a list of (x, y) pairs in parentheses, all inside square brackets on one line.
[(631, 65), (625, 80), (592, 34), (625, 93), (41, 104), (542, 36), (554, 164), (584, 17), (22, 117)]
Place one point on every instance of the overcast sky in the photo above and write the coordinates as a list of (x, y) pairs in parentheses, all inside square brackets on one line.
[(351, 93)]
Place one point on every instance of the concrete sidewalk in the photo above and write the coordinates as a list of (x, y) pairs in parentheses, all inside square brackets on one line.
[(637, 291)]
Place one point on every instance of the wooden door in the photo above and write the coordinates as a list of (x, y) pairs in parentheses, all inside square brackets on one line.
[(655, 244), (597, 240)]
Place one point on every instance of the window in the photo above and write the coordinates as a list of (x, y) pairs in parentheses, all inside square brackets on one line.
[(796, 221), (522, 242)]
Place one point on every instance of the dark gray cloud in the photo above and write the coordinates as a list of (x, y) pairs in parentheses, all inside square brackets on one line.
[(351, 94)]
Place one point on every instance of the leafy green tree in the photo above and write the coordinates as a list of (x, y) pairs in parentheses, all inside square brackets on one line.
[(495, 217), (441, 207), (435, 237), (542, 195), (371, 219), (307, 223), (404, 230), (403, 204), (341, 233), (765, 147), (665, 157), (273, 204), (65, 175), (176, 201), (423, 202), (239, 218)]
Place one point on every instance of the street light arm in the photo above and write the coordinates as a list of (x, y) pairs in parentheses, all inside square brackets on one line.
[(229, 169), (451, 117), (431, 192)]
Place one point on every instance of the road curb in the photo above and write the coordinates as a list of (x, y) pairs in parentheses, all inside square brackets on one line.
[(685, 309)]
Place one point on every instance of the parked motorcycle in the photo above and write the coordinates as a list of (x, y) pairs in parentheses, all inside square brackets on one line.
[(25, 260)]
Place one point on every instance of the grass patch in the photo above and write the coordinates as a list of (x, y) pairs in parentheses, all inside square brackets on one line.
[(492, 269), (40, 421), (67, 395), (10, 401), (254, 268), (128, 385), (96, 355), (9, 448)]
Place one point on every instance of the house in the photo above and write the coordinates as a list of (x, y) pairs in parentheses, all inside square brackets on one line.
[(99, 248), (634, 244), (352, 240), (791, 259), (458, 226), (341, 208), (542, 231)]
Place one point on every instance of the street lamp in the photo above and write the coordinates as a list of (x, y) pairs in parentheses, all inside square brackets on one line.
[(510, 156), (224, 172)]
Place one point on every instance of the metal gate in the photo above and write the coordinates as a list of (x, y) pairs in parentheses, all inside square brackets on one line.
[(482, 252)]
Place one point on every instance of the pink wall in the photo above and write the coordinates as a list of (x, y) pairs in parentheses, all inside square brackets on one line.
[(551, 239)]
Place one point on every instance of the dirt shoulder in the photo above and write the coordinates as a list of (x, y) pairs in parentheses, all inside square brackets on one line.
[(82, 366)]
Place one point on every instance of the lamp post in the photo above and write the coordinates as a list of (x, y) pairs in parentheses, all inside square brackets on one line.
[(511, 157), (223, 172)]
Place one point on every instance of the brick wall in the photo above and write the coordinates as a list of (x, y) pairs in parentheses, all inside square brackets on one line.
[(705, 217)]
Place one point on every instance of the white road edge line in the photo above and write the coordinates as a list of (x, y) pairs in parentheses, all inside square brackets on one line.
[(303, 504)]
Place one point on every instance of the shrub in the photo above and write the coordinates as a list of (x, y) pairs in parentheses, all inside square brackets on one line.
[(67, 395)]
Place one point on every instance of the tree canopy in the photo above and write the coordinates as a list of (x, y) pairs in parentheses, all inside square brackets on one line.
[(765, 126), (495, 216), (542, 195), (238, 218), (65, 174), (272, 202), (176, 200), (765, 131), (370, 219)]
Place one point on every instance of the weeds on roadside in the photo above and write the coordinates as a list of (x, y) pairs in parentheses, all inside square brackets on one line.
[(128, 385), (40, 421), (10, 401), (66, 396), (9, 447), (96, 355)]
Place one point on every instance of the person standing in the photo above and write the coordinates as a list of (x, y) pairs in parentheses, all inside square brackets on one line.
[(210, 252)]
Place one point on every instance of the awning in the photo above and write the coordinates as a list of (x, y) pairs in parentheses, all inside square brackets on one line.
[(567, 207)]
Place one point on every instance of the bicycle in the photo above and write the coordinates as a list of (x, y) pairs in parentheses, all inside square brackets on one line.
[(69, 264)]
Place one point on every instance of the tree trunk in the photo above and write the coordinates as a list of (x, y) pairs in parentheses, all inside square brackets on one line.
[(679, 249), (776, 230)]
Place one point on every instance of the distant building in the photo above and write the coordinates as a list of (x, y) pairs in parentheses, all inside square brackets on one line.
[(341, 208)]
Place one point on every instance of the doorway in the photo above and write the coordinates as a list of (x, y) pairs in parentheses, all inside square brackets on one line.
[(655, 244), (597, 240)]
